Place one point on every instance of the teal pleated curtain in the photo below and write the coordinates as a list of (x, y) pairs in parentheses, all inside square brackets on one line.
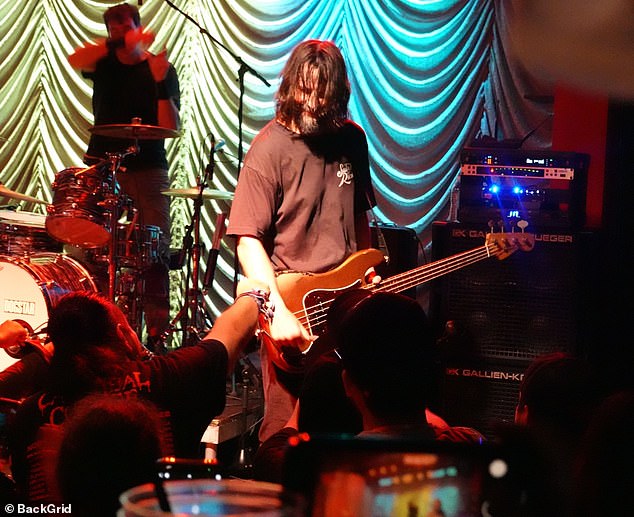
[(427, 76)]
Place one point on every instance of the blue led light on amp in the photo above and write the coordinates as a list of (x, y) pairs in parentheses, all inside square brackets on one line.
[(512, 191)]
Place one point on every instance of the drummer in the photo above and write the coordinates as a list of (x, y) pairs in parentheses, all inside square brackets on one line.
[(130, 82)]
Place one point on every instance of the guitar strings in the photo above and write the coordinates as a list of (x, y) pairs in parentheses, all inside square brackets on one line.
[(316, 314)]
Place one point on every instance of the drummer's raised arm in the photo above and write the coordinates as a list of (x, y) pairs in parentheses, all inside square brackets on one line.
[(86, 57)]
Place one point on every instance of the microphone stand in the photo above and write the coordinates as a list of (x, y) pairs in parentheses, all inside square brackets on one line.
[(243, 69)]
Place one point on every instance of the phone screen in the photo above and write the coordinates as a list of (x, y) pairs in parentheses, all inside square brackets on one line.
[(393, 477)]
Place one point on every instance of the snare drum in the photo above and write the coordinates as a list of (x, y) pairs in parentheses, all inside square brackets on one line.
[(31, 286), (79, 213), (135, 247), (23, 233)]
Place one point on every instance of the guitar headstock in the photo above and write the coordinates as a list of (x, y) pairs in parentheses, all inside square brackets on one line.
[(508, 243)]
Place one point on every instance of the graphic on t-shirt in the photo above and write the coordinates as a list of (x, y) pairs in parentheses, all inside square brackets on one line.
[(345, 174)]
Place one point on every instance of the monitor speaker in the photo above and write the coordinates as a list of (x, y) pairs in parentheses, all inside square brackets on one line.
[(495, 316)]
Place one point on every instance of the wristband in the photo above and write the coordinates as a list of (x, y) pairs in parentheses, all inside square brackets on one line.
[(161, 90), (261, 297)]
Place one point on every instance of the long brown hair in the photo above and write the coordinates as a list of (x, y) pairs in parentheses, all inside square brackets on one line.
[(315, 83)]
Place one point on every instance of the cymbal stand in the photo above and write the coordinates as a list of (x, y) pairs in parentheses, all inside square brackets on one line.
[(112, 204), (193, 316), (243, 69), (125, 288)]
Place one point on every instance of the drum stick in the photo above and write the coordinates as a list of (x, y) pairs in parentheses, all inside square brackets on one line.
[(131, 226), (215, 248)]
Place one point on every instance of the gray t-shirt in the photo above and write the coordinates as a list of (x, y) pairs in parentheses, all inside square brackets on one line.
[(300, 196)]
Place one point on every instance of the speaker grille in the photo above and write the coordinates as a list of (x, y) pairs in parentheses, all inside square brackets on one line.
[(499, 315), (516, 308)]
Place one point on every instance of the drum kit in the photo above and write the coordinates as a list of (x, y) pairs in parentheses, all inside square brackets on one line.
[(90, 221)]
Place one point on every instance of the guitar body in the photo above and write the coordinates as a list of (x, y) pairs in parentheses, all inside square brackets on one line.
[(313, 290), (309, 295)]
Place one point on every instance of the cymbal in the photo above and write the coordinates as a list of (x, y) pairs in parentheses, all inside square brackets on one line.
[(5, 192), (193, 193), (136, 131)]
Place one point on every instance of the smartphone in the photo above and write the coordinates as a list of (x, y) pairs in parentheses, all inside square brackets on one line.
[(402, 477)]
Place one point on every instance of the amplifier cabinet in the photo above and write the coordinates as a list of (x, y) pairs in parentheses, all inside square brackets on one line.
[(498, 315)]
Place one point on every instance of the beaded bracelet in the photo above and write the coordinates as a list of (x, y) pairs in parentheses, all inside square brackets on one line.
[(261, 297)]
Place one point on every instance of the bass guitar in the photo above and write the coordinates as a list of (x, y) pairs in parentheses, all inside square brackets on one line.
[(309, 295)]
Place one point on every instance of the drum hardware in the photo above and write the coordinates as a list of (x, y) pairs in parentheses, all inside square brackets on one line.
[(81, 200), (134, 131), (129, 297), (193, 316), (90, 212), (11, 194), (23, 233), (112, 202)]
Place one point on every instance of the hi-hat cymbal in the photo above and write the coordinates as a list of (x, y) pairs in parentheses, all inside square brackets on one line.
[(134, 131), (193, 193), (5, 192)]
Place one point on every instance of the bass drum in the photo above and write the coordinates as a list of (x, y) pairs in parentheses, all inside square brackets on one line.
[(31, 286)]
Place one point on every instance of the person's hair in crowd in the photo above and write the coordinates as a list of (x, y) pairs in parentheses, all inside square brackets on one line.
[(89, 350), (559, 393), (603, 481), (385, 345), (557, 397), (109, 444)]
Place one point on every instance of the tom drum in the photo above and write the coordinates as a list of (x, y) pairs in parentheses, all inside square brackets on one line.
[(79, 213), (23, 233), (136, 246)]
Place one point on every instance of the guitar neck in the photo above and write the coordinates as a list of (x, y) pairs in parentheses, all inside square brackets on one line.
[(417, 276)]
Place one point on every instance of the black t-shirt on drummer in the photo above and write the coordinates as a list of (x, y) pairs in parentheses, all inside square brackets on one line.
[(120, 93)]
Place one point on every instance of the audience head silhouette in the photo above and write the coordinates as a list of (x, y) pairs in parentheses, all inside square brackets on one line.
[(110, 444), (384, 341)]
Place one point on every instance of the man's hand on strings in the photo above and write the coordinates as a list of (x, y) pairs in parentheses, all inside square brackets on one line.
[(288, 332)]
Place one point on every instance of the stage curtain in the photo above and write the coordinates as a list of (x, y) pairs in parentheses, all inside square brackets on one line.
[(427, 77)]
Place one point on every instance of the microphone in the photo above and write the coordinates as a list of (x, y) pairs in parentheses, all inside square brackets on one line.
[(219, 145), (215, 147)]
